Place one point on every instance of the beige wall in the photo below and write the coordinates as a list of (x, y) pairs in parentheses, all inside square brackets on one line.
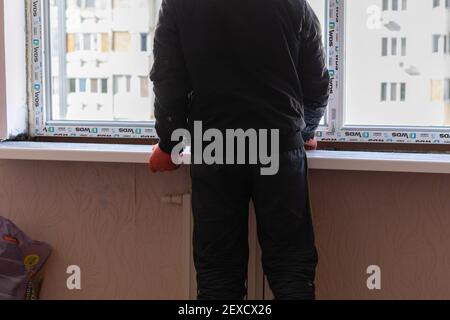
[(400, 222), (109, 219)]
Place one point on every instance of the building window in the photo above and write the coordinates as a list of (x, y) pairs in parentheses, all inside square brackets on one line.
[(446, 43), (436, 90), (380, 92), (394, 50), (396, 90), (403, 92), (404, 5), (89, 3), (394, 46), (121, 41), (384, 91), (403, 47), (94, 85), (436, 38), (104, 85), (441, 43), (122, 84), (144, 42), (393, 91), (72, 85), (83, 83), (394, 5), (87, 38), (120, 4), (144, 84), (83, 42), (104, 42), (86, 4), (384, 47), (70, 42), (447, 90)]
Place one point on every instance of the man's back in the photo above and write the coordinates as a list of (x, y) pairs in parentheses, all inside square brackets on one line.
[(247, 64), (244, 64)]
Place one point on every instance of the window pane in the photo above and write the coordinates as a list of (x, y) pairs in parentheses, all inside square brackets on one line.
[(70, 42), (122, 41), (106, 43), (86, 41), (393, 92), (384, 91), (144, 42), (72, 85), (436, 90), (436, 40), (410, 60), (404, 4), (82, 85), (394, 5), (384, 47), (104, 85), (403, 47), (447, 90), (94, 85), (394, 46), (121, 4), (144, 82), (403, 92)]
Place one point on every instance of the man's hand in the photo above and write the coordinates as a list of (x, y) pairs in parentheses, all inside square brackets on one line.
[(311, 144), (161, 161)]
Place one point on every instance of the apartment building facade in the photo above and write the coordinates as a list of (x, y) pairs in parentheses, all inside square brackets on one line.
[(397, 63), (101, 58)]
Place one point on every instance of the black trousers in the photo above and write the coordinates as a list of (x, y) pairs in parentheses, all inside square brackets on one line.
[(221, 196)]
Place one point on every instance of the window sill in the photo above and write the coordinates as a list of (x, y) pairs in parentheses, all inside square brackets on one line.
[(320, 160)]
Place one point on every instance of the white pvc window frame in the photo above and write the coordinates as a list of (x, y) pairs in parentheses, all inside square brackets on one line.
[(3, 110), (334, 130), (41, 79), (13, 79), (337, 131)]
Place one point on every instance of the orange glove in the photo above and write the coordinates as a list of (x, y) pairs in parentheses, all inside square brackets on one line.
[(311, 144), (161, 161)]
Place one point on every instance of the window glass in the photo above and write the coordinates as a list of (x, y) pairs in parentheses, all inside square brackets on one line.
[(105, 43), (400, 55)]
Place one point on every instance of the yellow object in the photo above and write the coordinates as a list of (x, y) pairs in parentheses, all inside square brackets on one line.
[(31, 260)]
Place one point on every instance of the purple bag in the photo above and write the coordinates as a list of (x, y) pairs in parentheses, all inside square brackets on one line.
[(21, 263)]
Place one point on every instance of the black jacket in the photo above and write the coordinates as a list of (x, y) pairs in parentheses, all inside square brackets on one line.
[(239, 64)]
